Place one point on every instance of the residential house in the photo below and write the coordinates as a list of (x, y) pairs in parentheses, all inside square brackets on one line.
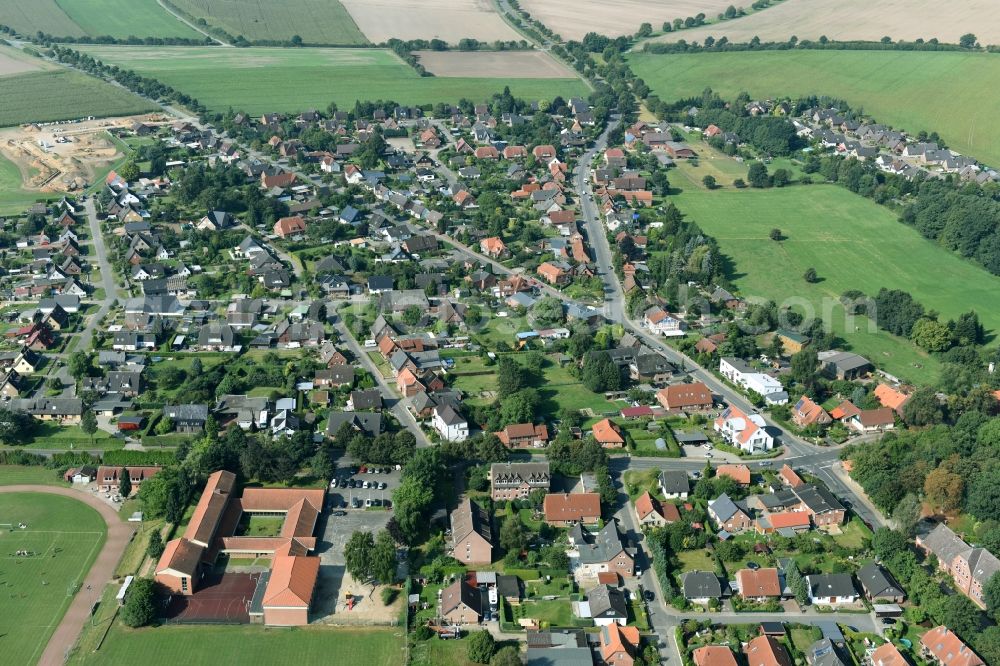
[(493, 247), (450, 424), (659, 322), (743, 375), (367, 401), (789, 477), (188, 418), (685, 397), (807, 413), (878, 584), (746, 432), (553, 274), (369, 423), (891, 398), (460, 603), (886, 654), (471, 534), (607, 606), (674, 484), (109, 478), (524, 435), (728, 515), (941, 646), (713, 655), (738, 473), (566, 509), (825, 652), (619, 645), (701, 587), (65, 411), (651, 511), (792, 342), (872, 420), (970, 568), (290, 226), (759, 584), (831, 589), (516, 480), (766, 651), (608, 434), (591, 554)]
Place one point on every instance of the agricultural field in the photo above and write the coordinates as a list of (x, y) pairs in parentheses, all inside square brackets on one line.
[(572, 19), (63, 537), (215, 645), (908, 90), (859, 19), (501, 64), (259, 80), (125, 18), (447, 20), (63, 95), (93, 18), (315, 21), (846, 238)]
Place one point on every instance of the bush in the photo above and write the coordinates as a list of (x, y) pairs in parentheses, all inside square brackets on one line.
[(140, 604), (155, 547), (423, 633), (389, 595), (481, 647)]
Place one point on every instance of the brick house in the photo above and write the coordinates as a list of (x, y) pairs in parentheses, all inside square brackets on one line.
[(729, 515), (109, 478), (591, 554), (807, 413), (516, 480), (970, 568), (471, 534), (608, 434), (461, 603), (686, 397), (941, 646), (566, 509), (524, 436)]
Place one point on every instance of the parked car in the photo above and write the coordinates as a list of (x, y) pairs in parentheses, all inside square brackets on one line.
[(648, 595), (339, 513)]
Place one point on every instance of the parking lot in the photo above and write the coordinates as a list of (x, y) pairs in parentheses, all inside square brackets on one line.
[(334, 531), (369, 488)]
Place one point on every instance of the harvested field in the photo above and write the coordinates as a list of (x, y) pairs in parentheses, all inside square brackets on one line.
[(13, 61), (572, 19), (501, 64), (259, 80), (447, 20), (315, 21), (860, 19)]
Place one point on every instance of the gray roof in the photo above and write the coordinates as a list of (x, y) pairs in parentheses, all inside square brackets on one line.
[(449, 415), (561, 656), (831, 585), (605, 546), (701, 585), (607, 602), (824, 653), (469, 517), (562, 638), (368, 422), (460, 592), (674, 481), (878, 582), (723, 507), (944, 543), (186, 412), (370, 399), (514, 474)]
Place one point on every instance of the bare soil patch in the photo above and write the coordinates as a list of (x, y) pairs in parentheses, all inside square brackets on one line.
[(447, 20), (572, 19), (64, 157), (859, 19), (498, 64), (14, 62)]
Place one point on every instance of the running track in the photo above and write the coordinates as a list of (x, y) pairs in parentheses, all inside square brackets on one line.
[(102, 571)]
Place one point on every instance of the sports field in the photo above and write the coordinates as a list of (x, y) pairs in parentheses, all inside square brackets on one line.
[(94, 18), (915, 91), (259, 80), (315, 21), (852, 243), (237, 645), (61, 540), (63, 95)]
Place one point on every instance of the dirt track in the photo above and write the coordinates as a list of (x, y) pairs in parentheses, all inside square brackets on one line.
[(103, 569)]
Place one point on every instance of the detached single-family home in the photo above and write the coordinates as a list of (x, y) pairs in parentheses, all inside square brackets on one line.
[(729, 515), (524, 435), (651, 511), (766, 651), (831, 589), (461, 603), (660, 322), (713, 655), (619, 645), (744, 431), (451, 425), (566, 509), (685, 397), (878, 584), (758, 585), (592, 554), (608, 434), (607, 606), (807, 413), (700, 587), (674, 484)]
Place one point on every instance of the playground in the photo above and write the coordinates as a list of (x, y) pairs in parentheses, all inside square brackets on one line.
[(47, 545)]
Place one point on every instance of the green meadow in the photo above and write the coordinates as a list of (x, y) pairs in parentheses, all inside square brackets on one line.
[(852, 243), (259, 80), (946, 92)]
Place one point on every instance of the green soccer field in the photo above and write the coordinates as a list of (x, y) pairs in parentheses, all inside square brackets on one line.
[(933, 91), (852, 243), (238, 645), (260, 80), (62, 537)]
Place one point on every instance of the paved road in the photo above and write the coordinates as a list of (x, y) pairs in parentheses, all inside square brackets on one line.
[(102, 571), (391, 399)]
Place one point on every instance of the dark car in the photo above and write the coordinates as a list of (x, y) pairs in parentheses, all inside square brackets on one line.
[(753, 566), (339, 513), (648, 595)]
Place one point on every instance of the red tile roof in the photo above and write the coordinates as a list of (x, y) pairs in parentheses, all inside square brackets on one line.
[(948, 648), (559, 507), (738, 473), (714, 655), (759, 583), (292, 582), (607, 431), (766, 651)]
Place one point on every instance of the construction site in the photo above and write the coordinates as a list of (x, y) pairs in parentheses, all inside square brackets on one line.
[(66, 157)]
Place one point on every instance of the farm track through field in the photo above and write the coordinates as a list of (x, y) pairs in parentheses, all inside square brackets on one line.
[(167, 8), (102, 571)]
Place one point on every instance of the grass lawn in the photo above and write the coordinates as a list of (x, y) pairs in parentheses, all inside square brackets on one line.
[(49, 435), (556, 613), (14, 199), (639, 481), (62, 95), (16, 475), (542, 588), (259, 526), (696, 560), (215, 645), (66, 535), (843, 236), (259, 80), (316, 22), (435, 652), (125, 18), (854, 534), (907, 89), (562, 389)]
